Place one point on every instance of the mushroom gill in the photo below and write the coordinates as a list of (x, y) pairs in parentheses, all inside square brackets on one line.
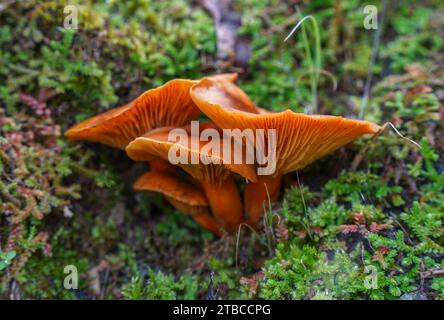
[(300, 139), (167, 105), (213, 171), (182, 194)]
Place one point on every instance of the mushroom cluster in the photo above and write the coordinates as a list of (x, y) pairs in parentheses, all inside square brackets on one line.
[(206, 190)]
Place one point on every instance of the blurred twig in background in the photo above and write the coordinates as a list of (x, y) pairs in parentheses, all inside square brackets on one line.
[(231, 49)]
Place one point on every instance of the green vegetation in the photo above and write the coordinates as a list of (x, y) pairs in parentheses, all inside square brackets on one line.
[(363, 223)]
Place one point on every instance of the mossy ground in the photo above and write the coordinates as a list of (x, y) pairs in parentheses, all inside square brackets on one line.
[(363, 223)]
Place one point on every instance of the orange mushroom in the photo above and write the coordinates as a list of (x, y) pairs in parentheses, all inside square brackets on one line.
[(182, 194), (213, 171), (300, 139), (167, 105)]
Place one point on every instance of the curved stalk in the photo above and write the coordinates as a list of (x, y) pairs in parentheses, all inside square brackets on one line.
[(256, 196), (225, 203)]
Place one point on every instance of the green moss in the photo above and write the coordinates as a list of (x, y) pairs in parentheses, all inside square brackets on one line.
[(161, 286)]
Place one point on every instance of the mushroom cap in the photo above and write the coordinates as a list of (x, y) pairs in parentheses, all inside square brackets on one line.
[(188, 198), (213, 167), (183, 194), (167, 105), (227, 93), (300, 139)]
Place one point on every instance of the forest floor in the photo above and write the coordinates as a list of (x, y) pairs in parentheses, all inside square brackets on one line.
[(363, 223)]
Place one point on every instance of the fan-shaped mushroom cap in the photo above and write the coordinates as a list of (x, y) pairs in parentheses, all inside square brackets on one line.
[(300, 139), (171, 186), (182, 194), (213, 168), (167, 105)]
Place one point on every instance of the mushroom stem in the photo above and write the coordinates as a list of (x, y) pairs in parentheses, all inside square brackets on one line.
[(160, 165), (225, 203), (206, 221), (256, 196), (200, 215)]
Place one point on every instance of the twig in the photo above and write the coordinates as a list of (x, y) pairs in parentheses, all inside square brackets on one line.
[(389, 124)]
